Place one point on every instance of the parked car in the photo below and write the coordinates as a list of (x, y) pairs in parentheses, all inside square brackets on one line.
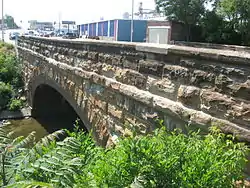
[(59, 34), (14, 35), (46, 34), (70, 36)]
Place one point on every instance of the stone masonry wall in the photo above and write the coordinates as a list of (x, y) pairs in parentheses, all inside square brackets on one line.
[(182, 85)]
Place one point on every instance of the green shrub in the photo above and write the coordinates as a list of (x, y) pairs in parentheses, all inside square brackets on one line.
[(161, 159), (10, 77), (169, 160), (2, 44), (9, 46), (6, 93), (10, 70), (15, 104)]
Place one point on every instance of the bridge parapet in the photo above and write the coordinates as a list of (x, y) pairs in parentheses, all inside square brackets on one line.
[(179, 84)]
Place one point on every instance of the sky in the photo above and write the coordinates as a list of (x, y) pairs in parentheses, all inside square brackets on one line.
[(81, 11)]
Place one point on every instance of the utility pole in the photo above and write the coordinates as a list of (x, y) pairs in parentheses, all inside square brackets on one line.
[(2, 23), (60, 15), (132, 22)]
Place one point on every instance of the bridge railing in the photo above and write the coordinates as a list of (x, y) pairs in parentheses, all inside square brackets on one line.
[(227, 53)]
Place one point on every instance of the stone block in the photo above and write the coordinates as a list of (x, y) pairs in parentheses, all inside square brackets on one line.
[(109, 96), (175, 72), (167, 106), (128, 102), (241, 90), (242, 134), (130, 64), (200, 118), (64, 51), (96, 90), (222, 82), (101, 131), (108, 70), (172, 124), (81, 97), (105, 58), (240, 114), (119, 100), (117, 61), (114, 111), (165, 88), (93, 56), (140, 110), (151, 67), (150, 81), (101, 104), (131, 77), (202, 79), (189, 96), (215, 103), (133, 93), (223, 106), (132, 123), (112, 84), (82, 54)]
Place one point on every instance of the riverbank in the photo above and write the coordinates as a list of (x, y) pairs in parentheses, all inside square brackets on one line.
[(19, 114)]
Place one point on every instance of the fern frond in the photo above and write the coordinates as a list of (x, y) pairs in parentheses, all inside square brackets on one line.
[(44, 142), (26, 141), (51, 137), (17, 140), (19, 156), (59, 165), (10, 134), (70, 144), (5, 137)]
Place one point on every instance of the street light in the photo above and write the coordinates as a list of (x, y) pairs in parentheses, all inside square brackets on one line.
[(132, 22), (2, 23)]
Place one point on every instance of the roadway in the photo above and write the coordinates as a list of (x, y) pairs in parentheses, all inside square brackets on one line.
[(7, 40), (6, 35)]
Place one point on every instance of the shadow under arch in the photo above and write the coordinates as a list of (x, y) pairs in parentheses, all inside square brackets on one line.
[(54, 107)]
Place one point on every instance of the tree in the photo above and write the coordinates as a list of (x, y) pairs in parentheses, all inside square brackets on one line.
[(187, 11), (10, 22), (237, 13)]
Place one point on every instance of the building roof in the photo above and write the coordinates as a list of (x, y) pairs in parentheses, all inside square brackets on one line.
[(109, 20), (44, 23)]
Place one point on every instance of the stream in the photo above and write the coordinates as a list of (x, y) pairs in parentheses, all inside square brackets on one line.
[(23, 127)]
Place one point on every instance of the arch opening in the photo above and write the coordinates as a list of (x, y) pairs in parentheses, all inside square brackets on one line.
[(53, 111)]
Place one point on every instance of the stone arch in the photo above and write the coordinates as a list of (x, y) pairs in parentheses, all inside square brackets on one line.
[(40, 80)]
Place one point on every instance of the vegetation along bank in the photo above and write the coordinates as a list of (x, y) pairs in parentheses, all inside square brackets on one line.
[(11, 84), (161, 159)]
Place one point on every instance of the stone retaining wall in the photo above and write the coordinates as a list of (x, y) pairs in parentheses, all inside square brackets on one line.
[(179, 84)]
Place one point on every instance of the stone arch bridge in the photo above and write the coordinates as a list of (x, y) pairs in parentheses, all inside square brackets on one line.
[(116, 87)]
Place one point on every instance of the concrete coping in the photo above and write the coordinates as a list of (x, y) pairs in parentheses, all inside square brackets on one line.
[(224, 55), (212, 45)]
